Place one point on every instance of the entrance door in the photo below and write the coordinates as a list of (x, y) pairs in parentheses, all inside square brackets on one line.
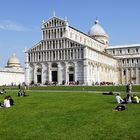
[(54, 76), (71, 77), (38, 78)]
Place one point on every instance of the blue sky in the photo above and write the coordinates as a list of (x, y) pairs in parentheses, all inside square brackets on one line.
[(20, 21)]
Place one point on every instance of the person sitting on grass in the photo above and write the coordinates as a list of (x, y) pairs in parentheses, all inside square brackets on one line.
[(22, 93), (119, 100), (128, 98), (2, 91), (6, 102), (135, 99), (19, 93), (120, 107), (11, 100)]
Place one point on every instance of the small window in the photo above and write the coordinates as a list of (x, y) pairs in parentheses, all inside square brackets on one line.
[(29, 58), (124, 72), (113, 52), (128, 50), (53, 55), (61, 33), (59, 44), (71, 44), (39, 56)]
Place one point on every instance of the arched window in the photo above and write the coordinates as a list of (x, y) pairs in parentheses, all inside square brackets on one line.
[(55, 33), (49, 33), (61, 32), (53, 55), (128, 50), (29, 58), (124, 72), (71, 69), (55, 22), (39, 70), (54, 65)]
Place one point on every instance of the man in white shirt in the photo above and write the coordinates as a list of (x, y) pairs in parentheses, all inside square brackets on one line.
[(119, 100)]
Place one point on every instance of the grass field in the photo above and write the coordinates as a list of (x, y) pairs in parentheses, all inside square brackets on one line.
[(121, 88), (68, 116)]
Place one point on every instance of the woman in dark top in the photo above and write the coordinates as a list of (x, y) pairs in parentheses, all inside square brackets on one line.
[(11, 100)]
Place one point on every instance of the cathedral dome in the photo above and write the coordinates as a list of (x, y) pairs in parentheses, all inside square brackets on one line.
[(98, 33), (97, 30), (13, 61)]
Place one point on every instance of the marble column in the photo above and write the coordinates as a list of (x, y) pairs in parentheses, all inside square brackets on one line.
[(98, 74), (26, 69), (75, 72), (43, 74), (35, 75), (59, 74), (49, 72), (137, 76), (66, 73), (86, 72)]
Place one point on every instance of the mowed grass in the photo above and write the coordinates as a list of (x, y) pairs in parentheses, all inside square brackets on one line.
[(119, 88), (68, 116)]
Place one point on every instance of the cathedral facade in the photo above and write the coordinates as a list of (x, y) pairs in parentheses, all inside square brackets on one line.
[(67, 56)]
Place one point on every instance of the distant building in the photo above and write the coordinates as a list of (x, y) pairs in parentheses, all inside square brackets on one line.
[(66, 55), (128, 57), (13, 73)]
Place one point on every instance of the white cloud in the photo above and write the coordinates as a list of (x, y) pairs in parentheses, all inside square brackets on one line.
[(12, 26)]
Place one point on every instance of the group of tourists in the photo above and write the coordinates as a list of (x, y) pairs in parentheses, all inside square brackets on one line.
[(8, 102), (22, 89), (130, 98)]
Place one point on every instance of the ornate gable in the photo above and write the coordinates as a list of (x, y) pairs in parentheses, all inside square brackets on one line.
[(53, 22), (36, 47)]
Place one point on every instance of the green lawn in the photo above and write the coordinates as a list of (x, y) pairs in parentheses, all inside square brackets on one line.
[(135, 88), (68, 116)]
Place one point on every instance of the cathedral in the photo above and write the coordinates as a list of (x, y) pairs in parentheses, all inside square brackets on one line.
[(68, 56)]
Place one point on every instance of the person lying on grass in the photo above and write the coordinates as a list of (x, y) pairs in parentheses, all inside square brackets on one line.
[(120, 107)]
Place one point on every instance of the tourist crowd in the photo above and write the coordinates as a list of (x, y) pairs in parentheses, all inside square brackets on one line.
[(8, 100)]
